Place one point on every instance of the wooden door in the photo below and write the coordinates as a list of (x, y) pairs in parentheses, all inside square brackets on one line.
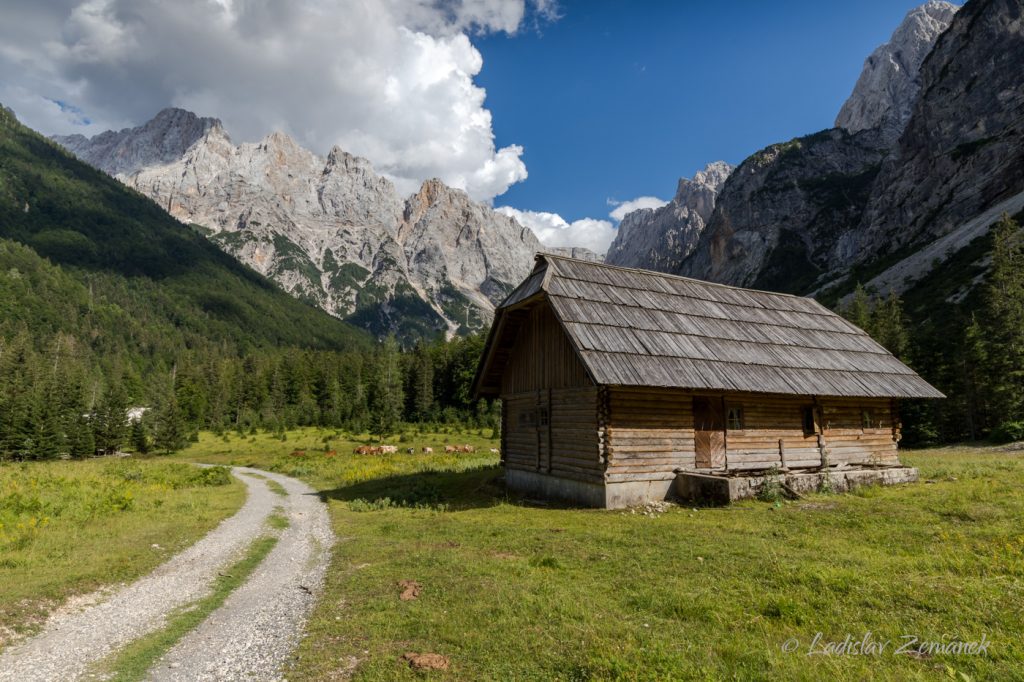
[(709, 433)]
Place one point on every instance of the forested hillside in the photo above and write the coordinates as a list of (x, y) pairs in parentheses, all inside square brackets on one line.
[(107, 302), (962, 328)]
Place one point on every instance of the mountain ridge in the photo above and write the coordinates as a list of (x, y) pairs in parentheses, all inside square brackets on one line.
[(329, 229)]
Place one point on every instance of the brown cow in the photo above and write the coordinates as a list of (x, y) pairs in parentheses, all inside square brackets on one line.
[(331, 453), (298, 453), (468, 448), (363, 450), (448, 449)]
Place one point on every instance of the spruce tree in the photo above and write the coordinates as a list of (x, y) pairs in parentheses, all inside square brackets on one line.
[(139, 437), (1005, 322), (386, 397), (170, 433), (423, 383), (111, 419)]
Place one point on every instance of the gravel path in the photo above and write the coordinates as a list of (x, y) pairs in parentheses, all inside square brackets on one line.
[(250, 636)]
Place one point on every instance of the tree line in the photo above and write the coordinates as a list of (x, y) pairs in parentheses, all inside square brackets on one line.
[(55, 401), (967, 342)]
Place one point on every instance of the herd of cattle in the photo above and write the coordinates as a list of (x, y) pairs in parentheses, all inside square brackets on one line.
[(391, 449)]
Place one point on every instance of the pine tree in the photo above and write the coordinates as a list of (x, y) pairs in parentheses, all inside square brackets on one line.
[(169, 434), (858, 310), (1005, 322), (887, 325), (422, 383), (110, 419), (139, 437), (386, 397), (81, 442)]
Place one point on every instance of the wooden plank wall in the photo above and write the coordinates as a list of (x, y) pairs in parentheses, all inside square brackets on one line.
[(649, 433), (542, 357), (572, 432), (575, 446), (520, 431), (847, 440)]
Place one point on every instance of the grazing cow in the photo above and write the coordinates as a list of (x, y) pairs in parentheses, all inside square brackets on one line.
[(428, 451), (410, 451), (363, 450), (494, 451), (468, 448), (448, 449), (331, 453), (390, 449)]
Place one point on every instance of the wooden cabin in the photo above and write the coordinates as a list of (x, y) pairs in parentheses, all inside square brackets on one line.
[(616, 382)]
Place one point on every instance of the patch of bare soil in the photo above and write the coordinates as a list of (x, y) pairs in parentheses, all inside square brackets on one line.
[(425, 661), (410, 590)]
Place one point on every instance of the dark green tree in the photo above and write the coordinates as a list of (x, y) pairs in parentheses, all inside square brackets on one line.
[(169, 433), (386, 399)]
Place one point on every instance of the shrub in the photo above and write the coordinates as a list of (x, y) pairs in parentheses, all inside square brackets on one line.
[(771, 489), (1008, 432)]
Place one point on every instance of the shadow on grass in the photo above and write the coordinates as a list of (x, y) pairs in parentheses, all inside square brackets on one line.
[(474, 488)]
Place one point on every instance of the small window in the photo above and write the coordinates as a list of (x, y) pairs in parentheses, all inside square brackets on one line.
[(527, 419), (809, 420), (542, 416), (867, 420), (734, 420)]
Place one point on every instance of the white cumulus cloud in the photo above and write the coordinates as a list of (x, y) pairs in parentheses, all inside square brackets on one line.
[(553, 230), (624, 207), (391, 80)]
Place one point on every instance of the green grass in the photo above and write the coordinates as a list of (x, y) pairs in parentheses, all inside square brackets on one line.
[(133, 661), (277, 488), (67, 528), (512, 591)]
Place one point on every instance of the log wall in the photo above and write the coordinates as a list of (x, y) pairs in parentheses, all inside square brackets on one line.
[(649, 433), (567, 446), (848, 440), (773, 430)]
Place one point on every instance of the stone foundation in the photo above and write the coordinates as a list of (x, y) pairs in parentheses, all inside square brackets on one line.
[(724, 489)]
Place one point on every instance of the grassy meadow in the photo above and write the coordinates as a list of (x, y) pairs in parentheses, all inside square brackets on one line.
[(517, 590), (69, 527)]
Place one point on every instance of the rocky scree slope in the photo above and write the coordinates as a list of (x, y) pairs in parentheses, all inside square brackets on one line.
[(329, 230)]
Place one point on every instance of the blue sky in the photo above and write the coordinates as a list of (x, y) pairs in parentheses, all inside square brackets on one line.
[(620, 99)]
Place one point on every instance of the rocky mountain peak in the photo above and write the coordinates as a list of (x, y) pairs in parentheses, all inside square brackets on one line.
[(330, 231), (660, 238), (162, 140), (713, 176), (887, 89)]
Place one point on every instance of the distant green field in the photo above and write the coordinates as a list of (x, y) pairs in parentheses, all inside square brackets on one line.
[(67, 528), (517, 591)]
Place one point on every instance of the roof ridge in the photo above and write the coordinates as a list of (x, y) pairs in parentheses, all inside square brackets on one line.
[(656, 273)]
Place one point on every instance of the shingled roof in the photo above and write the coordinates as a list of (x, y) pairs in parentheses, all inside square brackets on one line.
[(641, 328)]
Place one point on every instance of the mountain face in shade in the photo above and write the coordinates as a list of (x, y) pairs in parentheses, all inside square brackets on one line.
[(329, 230), (801, 215)]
